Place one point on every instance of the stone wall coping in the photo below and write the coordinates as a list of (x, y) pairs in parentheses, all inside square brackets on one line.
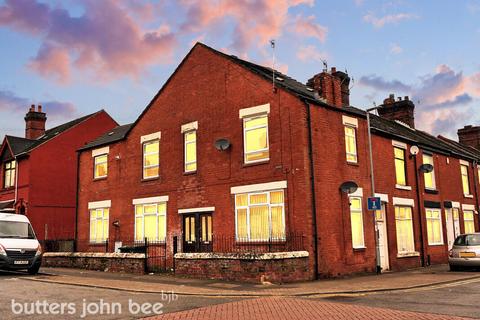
[(243, 256), (94, 255)]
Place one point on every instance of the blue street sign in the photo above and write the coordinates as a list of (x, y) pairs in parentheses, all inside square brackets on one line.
[(374, 203)]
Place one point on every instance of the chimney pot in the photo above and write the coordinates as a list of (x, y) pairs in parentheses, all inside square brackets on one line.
[(399, 98), (35, 123), (39, 108), (334, 69), (401, 110), (32, 108), (406, 98), (470, 136)]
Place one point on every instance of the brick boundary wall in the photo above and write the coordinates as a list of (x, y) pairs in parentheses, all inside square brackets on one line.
[(111, 262), (279, 267)]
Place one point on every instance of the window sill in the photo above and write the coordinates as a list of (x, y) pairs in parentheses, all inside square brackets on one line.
[(408, 254), (431, 191), (189, 173), (401, 187), (7, 189), (250, 164), (150, 179), (100, 178), (436, 244), (351, 163), (359, 249), (468, 196)]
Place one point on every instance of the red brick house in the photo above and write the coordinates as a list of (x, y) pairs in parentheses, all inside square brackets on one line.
[(222, 158), (39, 172)]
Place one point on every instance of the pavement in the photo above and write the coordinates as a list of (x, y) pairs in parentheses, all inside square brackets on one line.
[(394, 281)]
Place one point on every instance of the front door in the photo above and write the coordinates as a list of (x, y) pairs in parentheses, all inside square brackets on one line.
[(197, 232), (456, 221), (450, 228), (382, 238)]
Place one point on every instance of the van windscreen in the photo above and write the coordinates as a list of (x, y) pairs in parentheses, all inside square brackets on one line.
[(16, 230)]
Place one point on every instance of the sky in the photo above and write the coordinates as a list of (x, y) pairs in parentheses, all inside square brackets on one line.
[(76, 57)]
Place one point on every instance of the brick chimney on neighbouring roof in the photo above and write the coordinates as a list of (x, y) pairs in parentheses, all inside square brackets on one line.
[(470, 136), (401, 110), (332, 86), (35, 122)]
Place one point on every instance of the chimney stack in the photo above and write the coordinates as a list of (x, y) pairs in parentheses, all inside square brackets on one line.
[(401, 110), (470, 136), (332, 86), (35, 123)]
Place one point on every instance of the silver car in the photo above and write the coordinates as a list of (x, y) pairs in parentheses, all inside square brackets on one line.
[(465, 252)]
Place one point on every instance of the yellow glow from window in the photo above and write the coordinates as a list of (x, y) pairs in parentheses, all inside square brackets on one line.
[(404, 228), (465, 182), (151, 159), (400, 173), (256, 139), (350, 144), (430, 176)]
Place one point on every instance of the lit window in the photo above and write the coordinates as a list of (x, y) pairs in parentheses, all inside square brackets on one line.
[(356, 218), (190, 138), (465, 182), (9, 174), (151, 159), (99, 224), (255, 137), (260, 216), (468, 221), (404, 228), (434, 226), (400, 172), (101, 166), (151, 221), (429, 176), (351, 144)]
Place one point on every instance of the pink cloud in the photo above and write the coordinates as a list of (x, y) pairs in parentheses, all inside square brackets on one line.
[(309, 28), (388, 19), (311, 53), (105, 40)]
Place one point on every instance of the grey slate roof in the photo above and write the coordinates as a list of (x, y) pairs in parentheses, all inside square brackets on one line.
[(116, 134), (18, 145)]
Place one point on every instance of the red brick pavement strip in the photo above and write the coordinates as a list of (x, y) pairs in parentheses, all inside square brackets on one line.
[(292, 309)]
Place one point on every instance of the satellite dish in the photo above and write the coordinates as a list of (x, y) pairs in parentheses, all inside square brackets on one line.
[(414, 150), (348, 187), (222, 144), (426, 168)]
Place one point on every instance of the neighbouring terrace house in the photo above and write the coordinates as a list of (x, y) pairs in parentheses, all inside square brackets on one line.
[(38, 172), (227, 174)]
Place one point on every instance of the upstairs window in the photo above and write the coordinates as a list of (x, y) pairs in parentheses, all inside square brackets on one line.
[(190, 140), (400, 166), (9, 174), (465, 181), (351, 144), (151, 159), (255, 137), (100, 166), (429, 176)]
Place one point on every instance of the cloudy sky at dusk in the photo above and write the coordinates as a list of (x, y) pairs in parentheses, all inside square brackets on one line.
[(76, 57)]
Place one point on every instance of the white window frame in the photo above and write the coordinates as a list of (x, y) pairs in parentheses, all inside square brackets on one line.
[(354, 136), (104, 221), (247, 207), (144, 154), (409, 251), (95, 163), (434, 187), (463, 165), (185, 144), (357, 211), (12, 174), (401, 147), (245, 130), (469, 220), (439, 211), (143, 215)]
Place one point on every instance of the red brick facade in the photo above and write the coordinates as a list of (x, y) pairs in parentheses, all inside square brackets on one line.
[(211, 89)]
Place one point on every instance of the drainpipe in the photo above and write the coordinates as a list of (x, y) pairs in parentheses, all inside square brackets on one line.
[(75, 237), (312, 186), (476, 179), (420, 211), (16, 181)]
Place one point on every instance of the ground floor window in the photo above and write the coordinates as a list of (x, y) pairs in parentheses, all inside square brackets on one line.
[(356, 219), (468, 221), (404, 227), (260, 216), (434, 226), (151, 221), (99, 224)]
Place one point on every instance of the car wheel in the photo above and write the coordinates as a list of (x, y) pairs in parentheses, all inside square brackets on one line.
[(454, 268), (33, 270)]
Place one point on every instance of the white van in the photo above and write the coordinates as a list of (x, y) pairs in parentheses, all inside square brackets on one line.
[(19, 247)]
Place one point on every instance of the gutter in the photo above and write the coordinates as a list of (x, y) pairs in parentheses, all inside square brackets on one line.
[(312, 186), (16, 180), (421, 209), (476, 179), (75, 236)]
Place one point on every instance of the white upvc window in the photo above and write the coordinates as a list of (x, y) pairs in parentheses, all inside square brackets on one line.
[(429, 177), (404, 228), (468, 221), (151, 159), (99, 225), (100, 166), (151, 221), (434, 226), (351, 144), (260, 216), (400, 166), (465, 180), (190, 151), (9, 174), (356, 219), (255, 138)]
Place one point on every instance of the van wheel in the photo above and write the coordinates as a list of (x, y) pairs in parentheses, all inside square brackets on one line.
[(454, 268), (33, 270)]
